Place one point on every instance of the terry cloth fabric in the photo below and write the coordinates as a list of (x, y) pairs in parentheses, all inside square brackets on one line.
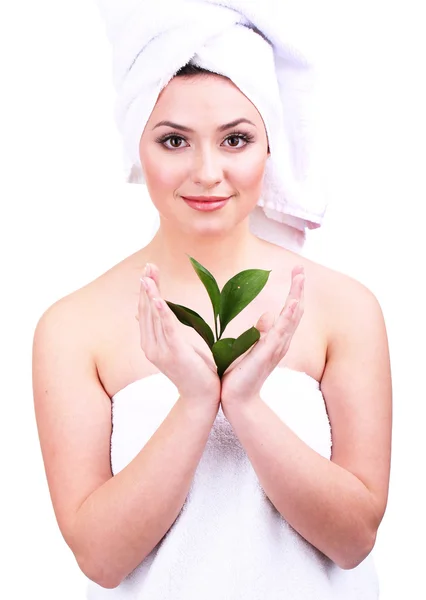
[(229, 542)]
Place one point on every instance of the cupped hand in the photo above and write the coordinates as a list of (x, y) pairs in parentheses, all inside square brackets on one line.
[(193, 371), (245, 377)]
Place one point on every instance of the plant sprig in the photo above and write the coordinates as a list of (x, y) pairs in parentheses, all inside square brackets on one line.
[(227, 303)]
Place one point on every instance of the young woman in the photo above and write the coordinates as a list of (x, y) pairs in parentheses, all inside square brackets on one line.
[(167, 482)]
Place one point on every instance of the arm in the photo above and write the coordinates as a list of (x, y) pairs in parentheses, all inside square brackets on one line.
[(335, 505), (110, 523)]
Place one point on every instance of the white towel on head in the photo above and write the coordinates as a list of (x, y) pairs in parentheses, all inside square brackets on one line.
[(266, 48)]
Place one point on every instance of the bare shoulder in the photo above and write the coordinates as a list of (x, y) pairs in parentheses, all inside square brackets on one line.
[(334, 294), (357, 342), (81, 328), (67, 321), (340, 296), (357, 345), (86, 307)]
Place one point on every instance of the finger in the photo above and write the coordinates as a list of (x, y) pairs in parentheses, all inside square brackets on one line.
[(169, 323), (287, 315), (265, 322), (145, 324), (153, 272), (297, 270), (295, 293), (298, 277), (156, 317), (292, 311), (173, 342), (302, 294)]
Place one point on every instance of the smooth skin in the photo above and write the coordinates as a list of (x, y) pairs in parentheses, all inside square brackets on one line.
[(192, 372), (88, 346)]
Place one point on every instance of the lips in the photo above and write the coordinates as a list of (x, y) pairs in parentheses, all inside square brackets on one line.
[(206, 198), (206, 205)]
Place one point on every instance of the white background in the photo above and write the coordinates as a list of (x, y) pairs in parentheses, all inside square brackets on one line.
[(67, 216)]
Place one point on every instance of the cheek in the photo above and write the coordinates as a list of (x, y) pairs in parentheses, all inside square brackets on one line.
[(159, 172), (248, 173)]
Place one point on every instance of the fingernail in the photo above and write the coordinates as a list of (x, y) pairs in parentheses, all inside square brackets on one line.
[(144, 283), (148, 270)]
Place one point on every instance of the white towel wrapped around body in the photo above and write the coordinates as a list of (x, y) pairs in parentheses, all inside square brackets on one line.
[(267, 49), (229, 542)]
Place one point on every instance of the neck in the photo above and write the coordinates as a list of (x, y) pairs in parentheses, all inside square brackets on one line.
[(223, 255)]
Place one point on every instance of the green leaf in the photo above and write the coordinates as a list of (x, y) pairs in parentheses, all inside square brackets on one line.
[(210, 284), (238, 292), (193, 319), (226, 350)]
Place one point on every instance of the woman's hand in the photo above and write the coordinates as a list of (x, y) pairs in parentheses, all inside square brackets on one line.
[(245, 377), (193, 371)]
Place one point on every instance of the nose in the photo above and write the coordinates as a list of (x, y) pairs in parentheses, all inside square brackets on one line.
[(207, 169)]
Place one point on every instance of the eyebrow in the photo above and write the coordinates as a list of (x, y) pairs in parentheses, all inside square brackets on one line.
[(189, 130)]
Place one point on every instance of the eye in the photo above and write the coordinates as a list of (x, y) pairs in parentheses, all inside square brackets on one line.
[(235, 138), (175, 141)]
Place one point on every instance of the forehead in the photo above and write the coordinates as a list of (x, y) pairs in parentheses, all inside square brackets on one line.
[(210, 97)]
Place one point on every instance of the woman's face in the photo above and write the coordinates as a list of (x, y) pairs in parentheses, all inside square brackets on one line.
[(202, 153)]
